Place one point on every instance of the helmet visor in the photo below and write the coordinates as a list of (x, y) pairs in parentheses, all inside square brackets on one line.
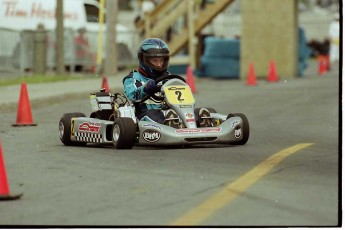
[(158, 62)]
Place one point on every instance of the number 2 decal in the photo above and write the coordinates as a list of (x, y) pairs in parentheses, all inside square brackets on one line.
[(179, 95)]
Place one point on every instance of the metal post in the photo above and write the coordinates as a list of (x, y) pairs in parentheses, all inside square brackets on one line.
[(191, 48), (111, 62), (60, 63), (100, 37), (147, 25), (40, 50), (22, 53)]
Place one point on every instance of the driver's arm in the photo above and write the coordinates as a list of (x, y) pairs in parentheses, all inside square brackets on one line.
[(133, 89)]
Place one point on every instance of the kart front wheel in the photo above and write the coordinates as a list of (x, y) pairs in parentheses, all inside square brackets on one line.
[(244, 129), (65, 127), (124, 133)]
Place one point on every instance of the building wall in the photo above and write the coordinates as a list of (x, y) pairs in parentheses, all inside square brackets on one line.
[(269, 33)]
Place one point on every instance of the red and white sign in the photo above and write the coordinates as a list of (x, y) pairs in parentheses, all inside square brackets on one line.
[(27, 14), (199, 130), (89, 127)]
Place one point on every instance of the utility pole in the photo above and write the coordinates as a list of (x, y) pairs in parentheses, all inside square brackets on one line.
[(111, 57), (191, 38), (100, 36), (59, 55)]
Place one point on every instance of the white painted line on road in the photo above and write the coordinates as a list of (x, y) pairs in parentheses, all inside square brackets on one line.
[(234, 189)]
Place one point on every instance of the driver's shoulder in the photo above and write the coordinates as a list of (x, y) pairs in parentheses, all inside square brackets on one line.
[(134, 75)]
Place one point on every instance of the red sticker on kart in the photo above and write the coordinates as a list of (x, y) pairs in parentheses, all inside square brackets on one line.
[(189, 115), (200, 130), (89, 127)]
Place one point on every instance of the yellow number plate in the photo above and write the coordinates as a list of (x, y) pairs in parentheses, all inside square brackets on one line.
[(179, 94)]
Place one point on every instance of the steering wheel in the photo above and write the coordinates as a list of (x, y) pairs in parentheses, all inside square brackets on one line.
[(160, 79)]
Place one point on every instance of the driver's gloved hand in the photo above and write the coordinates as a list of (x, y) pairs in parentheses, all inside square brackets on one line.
[(151, 87)]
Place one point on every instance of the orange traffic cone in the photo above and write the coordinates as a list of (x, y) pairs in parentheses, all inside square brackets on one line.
[(251, 76), (328, 63), (24, 115), (322, 65), (105, 84), (272, 73), (190, 79), (4, 187)]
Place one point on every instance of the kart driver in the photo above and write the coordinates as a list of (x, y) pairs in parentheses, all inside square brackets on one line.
[(153, 57)]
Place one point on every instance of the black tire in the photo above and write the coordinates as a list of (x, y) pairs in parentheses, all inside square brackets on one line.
[(65, 129), (124, 133), (245, 128)]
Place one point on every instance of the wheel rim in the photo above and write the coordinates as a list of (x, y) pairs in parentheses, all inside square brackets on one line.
[(61, 130), (116, 133), (238, 133)]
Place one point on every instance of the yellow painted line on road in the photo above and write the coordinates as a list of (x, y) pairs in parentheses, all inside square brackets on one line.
[(232, 190)]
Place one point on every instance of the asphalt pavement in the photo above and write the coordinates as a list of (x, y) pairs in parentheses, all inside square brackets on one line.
[(151, 186)]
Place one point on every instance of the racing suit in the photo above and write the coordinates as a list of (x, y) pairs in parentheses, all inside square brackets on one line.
[(133, 85)]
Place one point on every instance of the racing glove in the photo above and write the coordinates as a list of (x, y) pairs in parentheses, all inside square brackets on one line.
[(151, 87)]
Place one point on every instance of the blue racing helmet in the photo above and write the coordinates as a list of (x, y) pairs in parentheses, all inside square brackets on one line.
[(153, 48)]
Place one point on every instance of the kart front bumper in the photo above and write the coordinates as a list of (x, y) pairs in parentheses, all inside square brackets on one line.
[(229, 131)]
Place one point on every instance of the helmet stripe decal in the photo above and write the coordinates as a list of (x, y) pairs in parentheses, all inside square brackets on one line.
[(150, 46)]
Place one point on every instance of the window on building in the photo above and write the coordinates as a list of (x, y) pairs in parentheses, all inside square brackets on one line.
[(92, 13)]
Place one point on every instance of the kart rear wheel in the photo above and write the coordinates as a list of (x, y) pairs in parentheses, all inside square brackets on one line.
[(65, 126), (244, 128), (124, 133)]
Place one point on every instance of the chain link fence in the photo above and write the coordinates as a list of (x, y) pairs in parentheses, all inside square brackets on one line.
[(17, 50), (9, 39)]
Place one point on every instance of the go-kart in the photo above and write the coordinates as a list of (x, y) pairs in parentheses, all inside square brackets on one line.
[(113, 121)]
